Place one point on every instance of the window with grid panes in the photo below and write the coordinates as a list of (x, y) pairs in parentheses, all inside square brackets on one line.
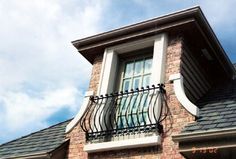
[(136, 74)]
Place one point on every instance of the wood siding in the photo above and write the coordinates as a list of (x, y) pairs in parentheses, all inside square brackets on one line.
[(196, 80)]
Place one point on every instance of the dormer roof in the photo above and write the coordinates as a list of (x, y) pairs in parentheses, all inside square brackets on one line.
[(190, 23)]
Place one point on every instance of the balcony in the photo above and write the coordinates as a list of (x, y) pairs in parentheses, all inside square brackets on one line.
[(138, 111)]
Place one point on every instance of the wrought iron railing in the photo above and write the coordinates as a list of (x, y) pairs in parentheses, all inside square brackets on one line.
[(128, 112)]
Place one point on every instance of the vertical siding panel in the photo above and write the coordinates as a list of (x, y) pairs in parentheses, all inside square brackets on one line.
[(196, 82)]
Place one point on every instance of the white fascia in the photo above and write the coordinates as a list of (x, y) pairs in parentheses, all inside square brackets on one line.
[(177, 80), (76, 119), (123, 144)]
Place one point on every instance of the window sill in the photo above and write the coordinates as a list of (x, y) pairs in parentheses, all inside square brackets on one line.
[(123, 144)]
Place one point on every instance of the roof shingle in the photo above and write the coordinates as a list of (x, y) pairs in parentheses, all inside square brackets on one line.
[(43, 141), (217, 109)]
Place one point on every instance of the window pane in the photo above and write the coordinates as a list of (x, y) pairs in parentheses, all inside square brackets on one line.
[(132, 120), (136, 82), (134, 107), (126, 84), (121, 122), (138, 67), (144, 101), (143, 118), (135, 101), (126, 104), (123, 104), (134, 116), (147, 65), (146, 80), (129, 69)]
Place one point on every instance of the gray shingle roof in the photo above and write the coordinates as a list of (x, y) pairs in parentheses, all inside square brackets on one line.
[(217, 109), (43, 141)]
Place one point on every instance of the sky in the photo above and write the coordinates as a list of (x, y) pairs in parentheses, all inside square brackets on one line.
[(42, 76)]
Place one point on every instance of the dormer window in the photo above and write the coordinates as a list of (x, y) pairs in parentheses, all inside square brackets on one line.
[(114, 58), (134, 111)]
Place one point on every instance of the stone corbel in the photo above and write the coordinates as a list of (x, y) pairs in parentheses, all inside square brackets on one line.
[(177, 80)]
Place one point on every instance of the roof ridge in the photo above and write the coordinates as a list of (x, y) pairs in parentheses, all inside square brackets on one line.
[(35, 132)]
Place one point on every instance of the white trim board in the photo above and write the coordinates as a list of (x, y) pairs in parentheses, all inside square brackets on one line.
[(177, 79), (123, 144)]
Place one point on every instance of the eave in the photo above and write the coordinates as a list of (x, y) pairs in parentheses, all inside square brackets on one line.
[(94, 45), (204, 135), (202, 144)]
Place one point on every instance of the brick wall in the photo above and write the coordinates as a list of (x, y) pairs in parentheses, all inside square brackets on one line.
[(77, 141), (178, 116), (173, 124), (95, 75)]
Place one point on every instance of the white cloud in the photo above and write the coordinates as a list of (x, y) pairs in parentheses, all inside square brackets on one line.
[(41, 72), (21, 109), (220, 13)]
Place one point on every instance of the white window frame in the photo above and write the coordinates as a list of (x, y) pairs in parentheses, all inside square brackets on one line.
[(109, 69), (109, 73)]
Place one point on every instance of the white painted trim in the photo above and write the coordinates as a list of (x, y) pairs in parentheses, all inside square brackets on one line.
[(108, 72), (76, 119), (204, 134), (159, 59), (110, 61), (158, 67), (134, 45), (177, 80), (102, 72), (123, 144)]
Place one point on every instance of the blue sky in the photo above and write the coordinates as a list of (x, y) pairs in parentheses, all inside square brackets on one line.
[(42, 76)]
